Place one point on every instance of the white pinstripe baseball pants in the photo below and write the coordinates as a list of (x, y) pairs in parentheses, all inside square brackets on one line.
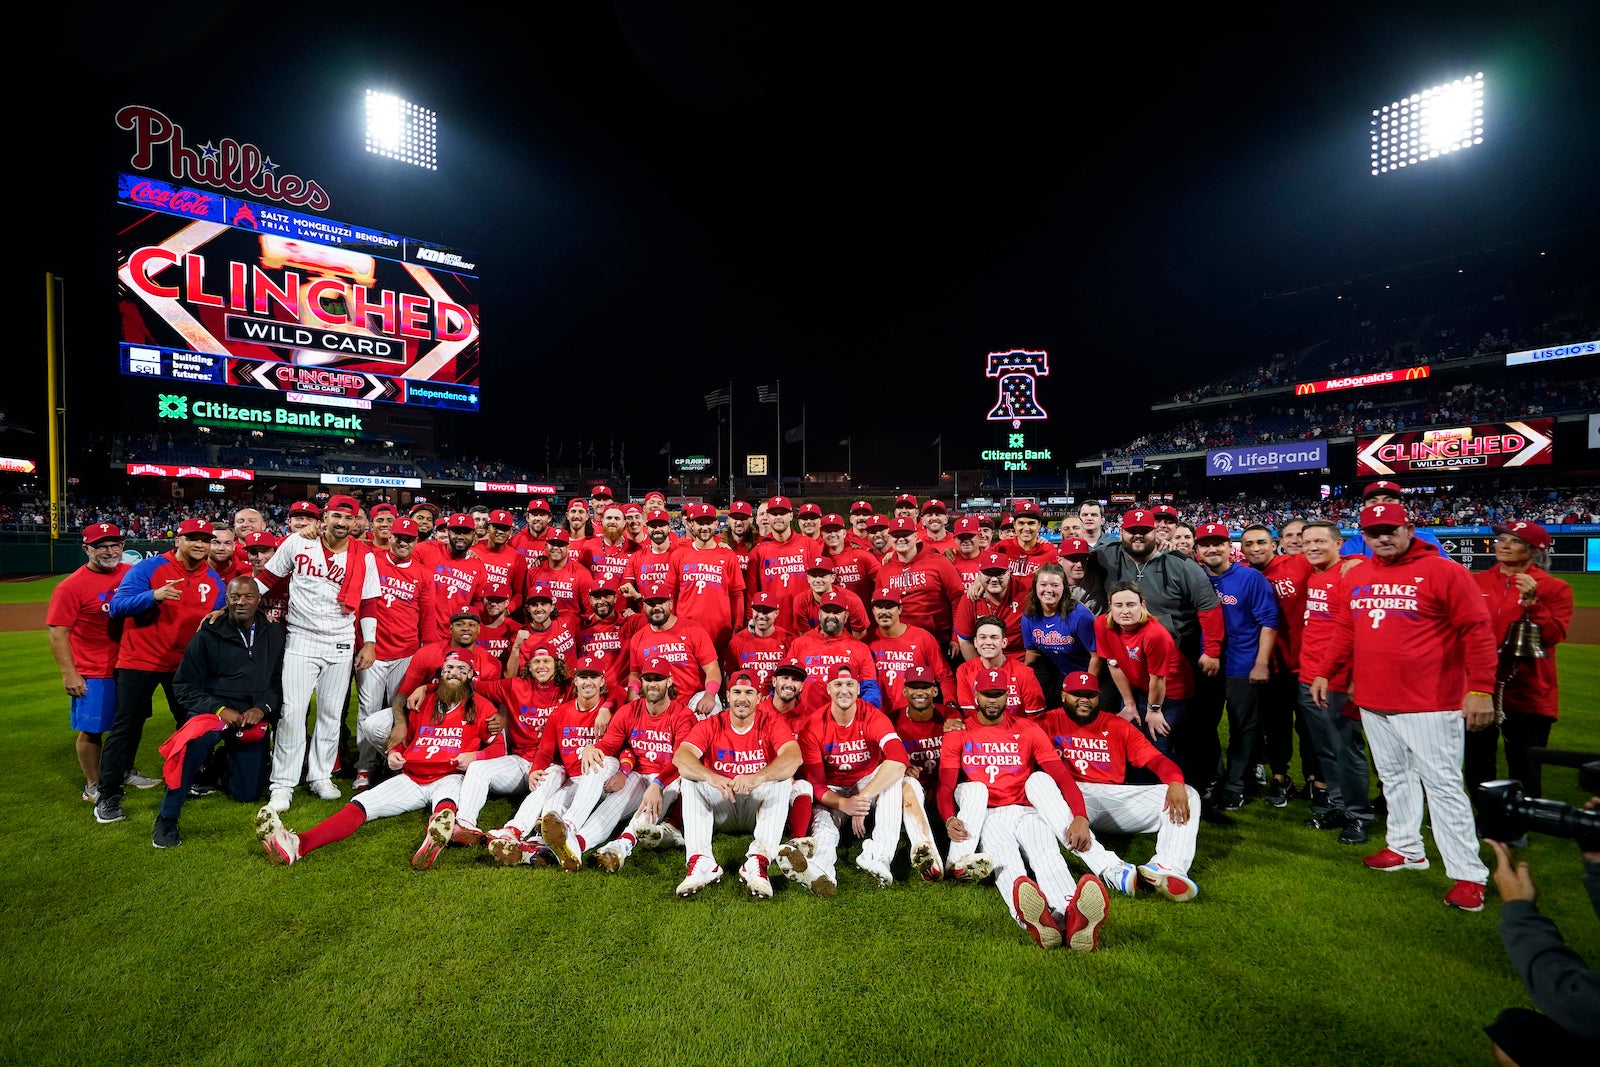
[(882, 839), (914, 814), (304, 673), (1017, 838), (375, 688), (1121, 809), (1419, 753), (553, 793), (594, 813), (763, 812), (397, 795), (502, 774)]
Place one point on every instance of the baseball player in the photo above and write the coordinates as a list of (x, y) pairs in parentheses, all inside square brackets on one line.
[(759, 646), (777, 564), (927, 582), (1026, 550), (989, 641), (653, 563), (404, 615), (983, 777), (1412, 626), (860, 512), (921, 726), (1097, 747), (160, 601), (803, 607), (935, 520), (830, 644), (736, 771), (333, 587), (503, 564), (740, 537), (259, 547), (459, 576), (568, 583), (85, 643), (708, 578), (553, 769), (627, 773), (855, 570), (444, 736), (682, 644), (304, 517), (529, 541), (854, 761), (898, 649), (557, 632), (998, 594)]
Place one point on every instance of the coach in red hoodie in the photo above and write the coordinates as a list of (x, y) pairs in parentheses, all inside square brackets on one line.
[(1412, 627)]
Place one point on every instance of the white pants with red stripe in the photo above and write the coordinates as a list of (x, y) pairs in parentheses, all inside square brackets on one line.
[(1121, 809), (881, 842), (397, 795), (1419, 753), (594, 813), (553, 793), (327, 675), (375, 688), (763, 811), (1017, 838), (502, 774)]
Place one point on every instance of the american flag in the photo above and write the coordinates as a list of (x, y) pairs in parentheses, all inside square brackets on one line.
[(718, 397), (767, 394)]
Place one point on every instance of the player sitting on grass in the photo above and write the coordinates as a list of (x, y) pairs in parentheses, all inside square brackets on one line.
[(1097, 747), (443, 737), (736, 769), (854, 761), (996, 754)]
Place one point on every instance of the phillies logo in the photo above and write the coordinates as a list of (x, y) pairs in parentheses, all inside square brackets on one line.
[(1019, 373), (181, 201), (241, 168)]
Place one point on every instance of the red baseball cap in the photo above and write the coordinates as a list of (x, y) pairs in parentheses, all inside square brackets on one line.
[(1165, 511), (1074, 548), (263, 539), (195, 528), (658, 518), (701, 512), (541, 591), (878, 522), (820, 563), (1375, 488), (460, 521), (919, 676), (901, 525), (1026, 507), (1080, 682), (420, 506), (342, 503), (457, 656), (600, 492), (539, 503), (656, 668), (589, 665), (109, 531), (986, 520), (1536, 536), (744, 678), (905, 500), (790, 666), (501, 518), (933, 505), (1374, 516), (779, 503), (740, 507), (966, 525), (833, 521), (994, 561), (839, 670), (1138, 519), (306, 507), (404, 528), (807, 510), (887, 595), (603, 586), (383, 509), (861, 507), (578, 503), (992, 682), (833, 602), (654, 591), (632, 509), (1212, 531), (557, 537), (497, 591), (763, 601)]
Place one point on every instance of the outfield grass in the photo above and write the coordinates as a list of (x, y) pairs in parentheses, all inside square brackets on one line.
[(207, 954), (32, 591)]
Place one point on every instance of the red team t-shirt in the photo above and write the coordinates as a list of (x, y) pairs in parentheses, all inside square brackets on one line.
[(847, 755), (894, 656), (1100, 750), (1023, 695), (684, 646), (731, 753), (404, 607), (431, 747), (82, 601), (1290, 577), (710, 589), (645, 743), (1149, 650), (528, 705), (1001, 756)]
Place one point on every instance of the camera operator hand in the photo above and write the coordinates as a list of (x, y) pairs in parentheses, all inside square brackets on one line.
[(1512, 883)]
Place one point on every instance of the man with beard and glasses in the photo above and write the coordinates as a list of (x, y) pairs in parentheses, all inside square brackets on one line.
[(85, 642)]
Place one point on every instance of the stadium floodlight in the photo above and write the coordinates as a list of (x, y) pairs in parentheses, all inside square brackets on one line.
[(1428, 124), (402, 130)]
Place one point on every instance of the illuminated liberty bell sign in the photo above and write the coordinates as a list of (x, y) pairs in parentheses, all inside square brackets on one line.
[(1019, 373)]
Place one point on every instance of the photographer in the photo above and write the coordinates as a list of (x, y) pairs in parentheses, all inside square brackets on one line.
[(1565, 990)]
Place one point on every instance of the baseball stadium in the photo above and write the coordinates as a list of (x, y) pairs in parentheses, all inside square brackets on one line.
[(679, 533)]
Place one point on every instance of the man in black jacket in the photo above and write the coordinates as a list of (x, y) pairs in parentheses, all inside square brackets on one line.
[(229, 684)]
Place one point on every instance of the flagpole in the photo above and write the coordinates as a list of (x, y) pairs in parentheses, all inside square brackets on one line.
[(777, 408), (802, 448), (731, 460)]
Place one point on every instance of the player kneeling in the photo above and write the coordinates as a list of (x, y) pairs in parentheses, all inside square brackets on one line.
[(854, 761), (983, 775), (1097, 747), (736, 769), (447, 732)]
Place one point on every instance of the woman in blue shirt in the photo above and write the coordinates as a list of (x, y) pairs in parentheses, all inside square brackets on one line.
[(1057, 632)]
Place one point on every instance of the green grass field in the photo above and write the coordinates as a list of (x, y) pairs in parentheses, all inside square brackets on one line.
[(207, 954)]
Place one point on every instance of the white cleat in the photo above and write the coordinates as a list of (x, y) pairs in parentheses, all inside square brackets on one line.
[(324, 790), (925, 861), (1123, 877), (754, 875), (1168, 882), (973, 869), (280, 800), (879, 871), (649, 835), (560, 839), (281, 845), (612, 855), (703, 871)]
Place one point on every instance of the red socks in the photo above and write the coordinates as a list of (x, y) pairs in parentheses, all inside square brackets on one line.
[(336, 827)]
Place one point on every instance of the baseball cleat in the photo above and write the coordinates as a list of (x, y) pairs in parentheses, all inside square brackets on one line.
[(466, 834), (267, 823), (1085, 913), (925, 861), (1123, 877), (282, 846), (822, 886), (703, 871), (561, 840), (1168, 882), (140, 781), (324, 790), (280, 800), (539, 854), (510, 851), (1032, 911), (792, 862), (440, 827), (972, 869), (806, 845), (1468, 896), (671, 836), (754, 875), (362, 783), (611, 856), (649, 835), (109, 810), (1390, 860), (879, 871)]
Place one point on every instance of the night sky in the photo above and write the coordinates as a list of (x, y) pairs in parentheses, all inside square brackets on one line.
[(863, 205)]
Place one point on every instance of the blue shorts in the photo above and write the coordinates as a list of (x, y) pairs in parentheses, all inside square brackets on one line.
[(93, 712)]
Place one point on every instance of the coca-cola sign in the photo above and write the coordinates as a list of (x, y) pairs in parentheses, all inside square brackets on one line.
[(164, 197), (227, 164)]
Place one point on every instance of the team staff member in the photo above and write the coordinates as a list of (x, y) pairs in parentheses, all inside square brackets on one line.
[(333, 587), (228, 682), (1024, 697), (1280, 698), (1383, 493), (85, 644), (1147, 671), (1518, 586), (1412, 626), (928, 584), (1056, 630), (160, 601)]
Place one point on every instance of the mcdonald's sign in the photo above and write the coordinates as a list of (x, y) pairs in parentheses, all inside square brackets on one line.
[(1358, 381)]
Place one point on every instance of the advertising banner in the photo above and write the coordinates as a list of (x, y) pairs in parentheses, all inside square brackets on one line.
[(1259, 459), (1525, 443)]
